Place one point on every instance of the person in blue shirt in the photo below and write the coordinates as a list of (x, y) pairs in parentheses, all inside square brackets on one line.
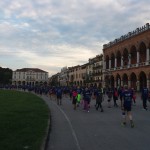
[(87, 97), (127, 103), (144, 97), (59, 96)]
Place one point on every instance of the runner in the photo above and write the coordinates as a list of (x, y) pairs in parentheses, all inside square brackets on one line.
[(87, 97), (99, 99), (74, 98), (134, 96), (109, 94), (144, 97), (115, 97), (120, 95), (59, 96), (127, 103), (78, 96)]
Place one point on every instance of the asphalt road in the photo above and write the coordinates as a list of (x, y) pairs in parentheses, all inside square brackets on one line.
[(95, 130)]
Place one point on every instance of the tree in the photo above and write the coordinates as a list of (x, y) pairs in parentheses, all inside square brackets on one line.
[(5, 75)]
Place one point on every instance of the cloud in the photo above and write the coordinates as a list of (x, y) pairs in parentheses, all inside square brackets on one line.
[(64, 33)]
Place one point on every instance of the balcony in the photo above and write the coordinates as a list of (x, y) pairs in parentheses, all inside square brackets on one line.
[(125, 67), (118, 68), (97, 74), (112, 69), (97, 67), (128, 66), (142, 64), (97, 80)]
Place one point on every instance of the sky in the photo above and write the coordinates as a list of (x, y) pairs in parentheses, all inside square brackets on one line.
[(52, 34)]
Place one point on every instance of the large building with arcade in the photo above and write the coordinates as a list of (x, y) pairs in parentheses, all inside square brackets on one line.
[(127, 60)]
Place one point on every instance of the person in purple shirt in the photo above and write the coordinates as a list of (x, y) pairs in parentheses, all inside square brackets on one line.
[(127, 103)]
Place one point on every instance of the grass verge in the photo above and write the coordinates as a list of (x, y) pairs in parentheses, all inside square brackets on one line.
[(23, 120)]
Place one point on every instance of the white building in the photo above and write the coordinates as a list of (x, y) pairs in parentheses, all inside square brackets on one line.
[(29, 76)]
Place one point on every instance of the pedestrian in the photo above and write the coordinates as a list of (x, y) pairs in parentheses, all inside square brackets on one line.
[(94, 95), (74, 98), (87, 97), (78, 96), (134, 96), (99, 99), (70, 93), (127, 104), (115, 97), (149, 96), (59, 95), (109, 94), (144, 97), (78, 99), (50, 93), (120, 95)]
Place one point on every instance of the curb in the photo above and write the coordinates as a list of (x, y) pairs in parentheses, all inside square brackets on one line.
[(47, 134)]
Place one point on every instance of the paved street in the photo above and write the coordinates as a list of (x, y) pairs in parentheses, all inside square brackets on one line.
[(80, 130)]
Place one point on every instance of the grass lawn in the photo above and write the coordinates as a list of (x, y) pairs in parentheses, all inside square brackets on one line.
[(23, 120)]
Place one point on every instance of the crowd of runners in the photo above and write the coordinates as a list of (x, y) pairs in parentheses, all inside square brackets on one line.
[(81, 96)]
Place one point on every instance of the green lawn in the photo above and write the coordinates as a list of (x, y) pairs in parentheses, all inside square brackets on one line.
[(23, 120)]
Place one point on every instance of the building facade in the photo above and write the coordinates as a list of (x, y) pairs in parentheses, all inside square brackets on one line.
[(127, 60), (77, 75), (63, 77), (95, 71), (54, 80), (74, 75), (29, 76)]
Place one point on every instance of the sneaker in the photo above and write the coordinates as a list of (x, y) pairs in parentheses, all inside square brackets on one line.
[(88, 111), (123, 124), (132, 125)]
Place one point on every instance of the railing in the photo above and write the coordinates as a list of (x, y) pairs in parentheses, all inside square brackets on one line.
[(97, 67), (129, 35), (97, 80), (142, 64), (97, 74), (124, 67), (107, 71), (112, 69), (133, 65), (118, 68)]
